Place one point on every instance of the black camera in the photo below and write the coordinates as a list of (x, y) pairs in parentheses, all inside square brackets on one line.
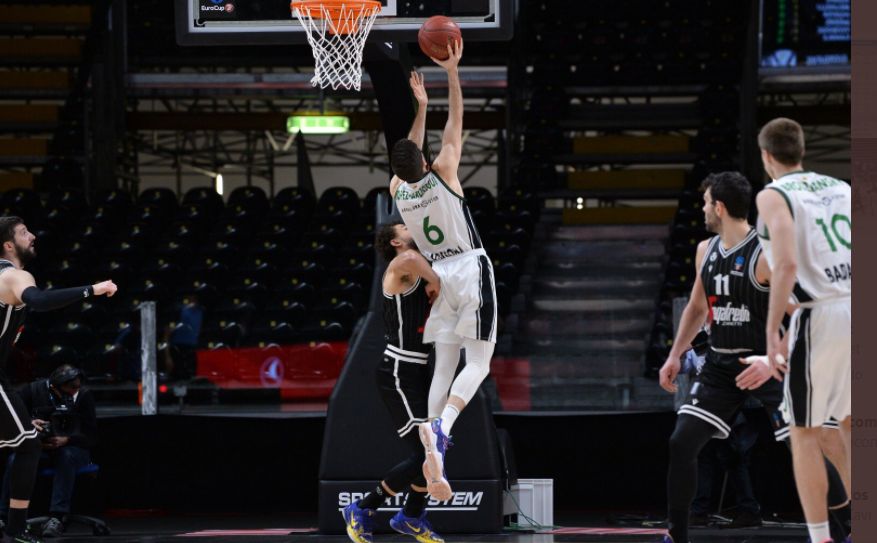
[(60, 423), (46, 430)]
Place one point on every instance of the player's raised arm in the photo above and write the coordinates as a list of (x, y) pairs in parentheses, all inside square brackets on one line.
[(692, 320), (417, 133), (448, 159), (418, 127), (23, 287)]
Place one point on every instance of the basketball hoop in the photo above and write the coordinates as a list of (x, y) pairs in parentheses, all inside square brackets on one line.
[(336, 31)]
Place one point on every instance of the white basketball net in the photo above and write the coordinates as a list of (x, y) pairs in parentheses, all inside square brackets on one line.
[(337, 36)]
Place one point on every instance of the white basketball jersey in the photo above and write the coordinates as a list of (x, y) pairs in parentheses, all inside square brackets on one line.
[(821, 208), (437, 218)]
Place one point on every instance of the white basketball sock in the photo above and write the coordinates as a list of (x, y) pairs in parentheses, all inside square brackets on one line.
[(449, 417), (819, 533)]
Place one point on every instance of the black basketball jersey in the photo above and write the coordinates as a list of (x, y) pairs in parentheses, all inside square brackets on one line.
[(405, 316), (738, 303), (11, 324)]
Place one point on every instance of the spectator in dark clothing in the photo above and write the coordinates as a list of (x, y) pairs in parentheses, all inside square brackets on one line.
[(65, 413), (183, 340), (730, 456)]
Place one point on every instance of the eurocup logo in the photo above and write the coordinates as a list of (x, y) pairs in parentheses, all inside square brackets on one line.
[(272, 371)]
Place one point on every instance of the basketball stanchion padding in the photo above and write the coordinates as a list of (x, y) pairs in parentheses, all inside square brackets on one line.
[(360, 443)]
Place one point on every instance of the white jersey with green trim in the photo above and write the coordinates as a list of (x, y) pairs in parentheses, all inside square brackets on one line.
[(821, 208), (437, 218)]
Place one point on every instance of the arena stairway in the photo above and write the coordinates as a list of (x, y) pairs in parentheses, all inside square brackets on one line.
[(41, 48), (590, 297)]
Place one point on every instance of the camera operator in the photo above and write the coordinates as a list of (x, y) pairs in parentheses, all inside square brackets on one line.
[(64, 413)]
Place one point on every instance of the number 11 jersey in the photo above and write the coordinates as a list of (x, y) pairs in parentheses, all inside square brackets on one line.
[(737, 301)]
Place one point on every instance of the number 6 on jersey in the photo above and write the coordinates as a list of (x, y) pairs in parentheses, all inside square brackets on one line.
[(433, 233)]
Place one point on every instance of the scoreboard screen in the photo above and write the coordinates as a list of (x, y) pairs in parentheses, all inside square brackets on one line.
[(805, 33)]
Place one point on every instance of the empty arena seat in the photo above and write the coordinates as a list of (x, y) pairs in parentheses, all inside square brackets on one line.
[(317, 251), (194, 213), (111, 217), (498, 239), (113, 198), (479, 198), (69, 199), (59, 218), (257, 268), (268, 252), (507, 273), (235, 308), (118, 325), (52, 355), (484, 220), (175, 251), (121, 272), (149, 288), (206, 199), (220, 250), (70, 271), (162, 270), (143, 234), (286, 308), (338, 199), (164, 201), (369, 203), (186, 233), (244, 285), (511, 254), (226, 331), (231, 232), (290, 216), (280, 232), (296, 290), (74, 333), (305, 270), (206, 292), (212, 271), (324, 330), (250, 198), (272, 330), (294, 198), (344, 290), (359, 246), (342, 312), (24, 203)]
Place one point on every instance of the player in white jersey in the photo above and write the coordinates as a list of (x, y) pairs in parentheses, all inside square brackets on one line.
[(805, 228), (430, 200)]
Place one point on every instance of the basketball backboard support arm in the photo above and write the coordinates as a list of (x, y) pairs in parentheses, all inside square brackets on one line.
[(492, 21)]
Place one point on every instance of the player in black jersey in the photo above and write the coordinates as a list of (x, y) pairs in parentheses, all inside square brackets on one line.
[(18, 294), (409, 287), (731, 294)]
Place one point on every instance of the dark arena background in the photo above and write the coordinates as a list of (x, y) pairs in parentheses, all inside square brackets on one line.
[(180, 149)]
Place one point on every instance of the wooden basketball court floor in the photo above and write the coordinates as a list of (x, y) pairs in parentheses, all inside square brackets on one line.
[(283, 528)]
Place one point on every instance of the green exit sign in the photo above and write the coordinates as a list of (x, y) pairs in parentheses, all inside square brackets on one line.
[(317, 124)]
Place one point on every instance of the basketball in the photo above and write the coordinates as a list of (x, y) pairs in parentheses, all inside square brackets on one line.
[(435, 34)]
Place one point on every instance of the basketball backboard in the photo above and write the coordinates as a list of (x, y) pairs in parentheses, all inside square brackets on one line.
[(259, 22)]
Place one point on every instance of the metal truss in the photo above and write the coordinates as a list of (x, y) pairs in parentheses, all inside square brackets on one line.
[(258, 151)]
